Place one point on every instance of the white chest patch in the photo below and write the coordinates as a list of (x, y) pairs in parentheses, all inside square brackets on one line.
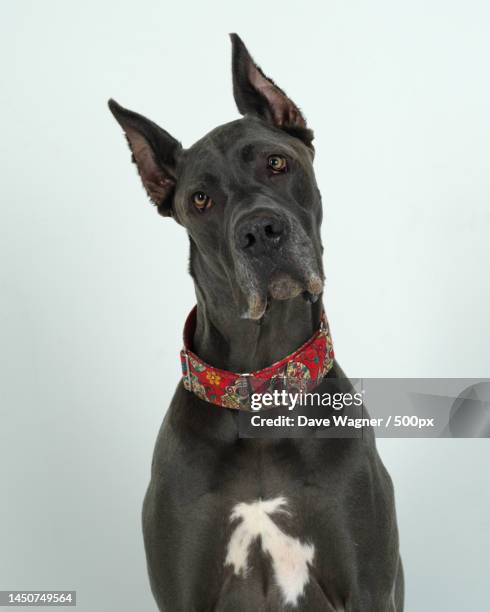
[(289, 556)]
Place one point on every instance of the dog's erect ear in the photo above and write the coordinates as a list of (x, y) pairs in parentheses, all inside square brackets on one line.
[(154, 153), (257, 94)]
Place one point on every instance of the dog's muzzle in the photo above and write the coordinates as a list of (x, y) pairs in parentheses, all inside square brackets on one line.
[(274, 259)]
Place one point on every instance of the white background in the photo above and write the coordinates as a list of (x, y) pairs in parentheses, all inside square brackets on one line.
[(95, 288)]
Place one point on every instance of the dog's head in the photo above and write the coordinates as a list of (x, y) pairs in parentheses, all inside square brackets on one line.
[(245, 192)]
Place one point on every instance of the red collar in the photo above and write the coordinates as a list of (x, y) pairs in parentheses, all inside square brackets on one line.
[(300, 371)]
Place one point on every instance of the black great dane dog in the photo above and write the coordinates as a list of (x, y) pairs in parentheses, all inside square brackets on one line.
[(238, 524)]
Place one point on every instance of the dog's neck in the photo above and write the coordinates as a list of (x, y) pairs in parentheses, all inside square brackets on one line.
[(226, 341)]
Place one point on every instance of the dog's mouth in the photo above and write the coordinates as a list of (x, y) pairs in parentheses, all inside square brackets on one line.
[(282, 287)]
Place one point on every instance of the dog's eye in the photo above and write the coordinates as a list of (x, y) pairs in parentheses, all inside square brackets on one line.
[(277, 163), (201, 201)]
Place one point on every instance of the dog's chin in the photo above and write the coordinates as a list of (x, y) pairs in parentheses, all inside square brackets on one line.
[(282, 287)]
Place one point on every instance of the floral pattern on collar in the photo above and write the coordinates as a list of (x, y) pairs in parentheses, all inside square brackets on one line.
[(301, 371)]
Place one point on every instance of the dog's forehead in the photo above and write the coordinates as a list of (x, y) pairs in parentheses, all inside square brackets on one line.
[(233, 141), (222, 138)]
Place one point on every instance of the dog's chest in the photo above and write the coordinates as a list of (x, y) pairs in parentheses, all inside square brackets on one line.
[(266, 521), (257, 532)]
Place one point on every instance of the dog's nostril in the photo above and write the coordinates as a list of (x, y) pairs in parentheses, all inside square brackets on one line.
[(249, 240), (269, 232), (272, 232)]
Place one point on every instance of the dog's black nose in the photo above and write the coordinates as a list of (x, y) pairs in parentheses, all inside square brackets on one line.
[(261, 233)]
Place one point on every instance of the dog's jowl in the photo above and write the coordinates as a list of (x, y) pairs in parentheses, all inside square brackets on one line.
[(239, 524)]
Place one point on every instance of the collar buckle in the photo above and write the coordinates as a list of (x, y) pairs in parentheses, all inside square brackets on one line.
[(188, 369)]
